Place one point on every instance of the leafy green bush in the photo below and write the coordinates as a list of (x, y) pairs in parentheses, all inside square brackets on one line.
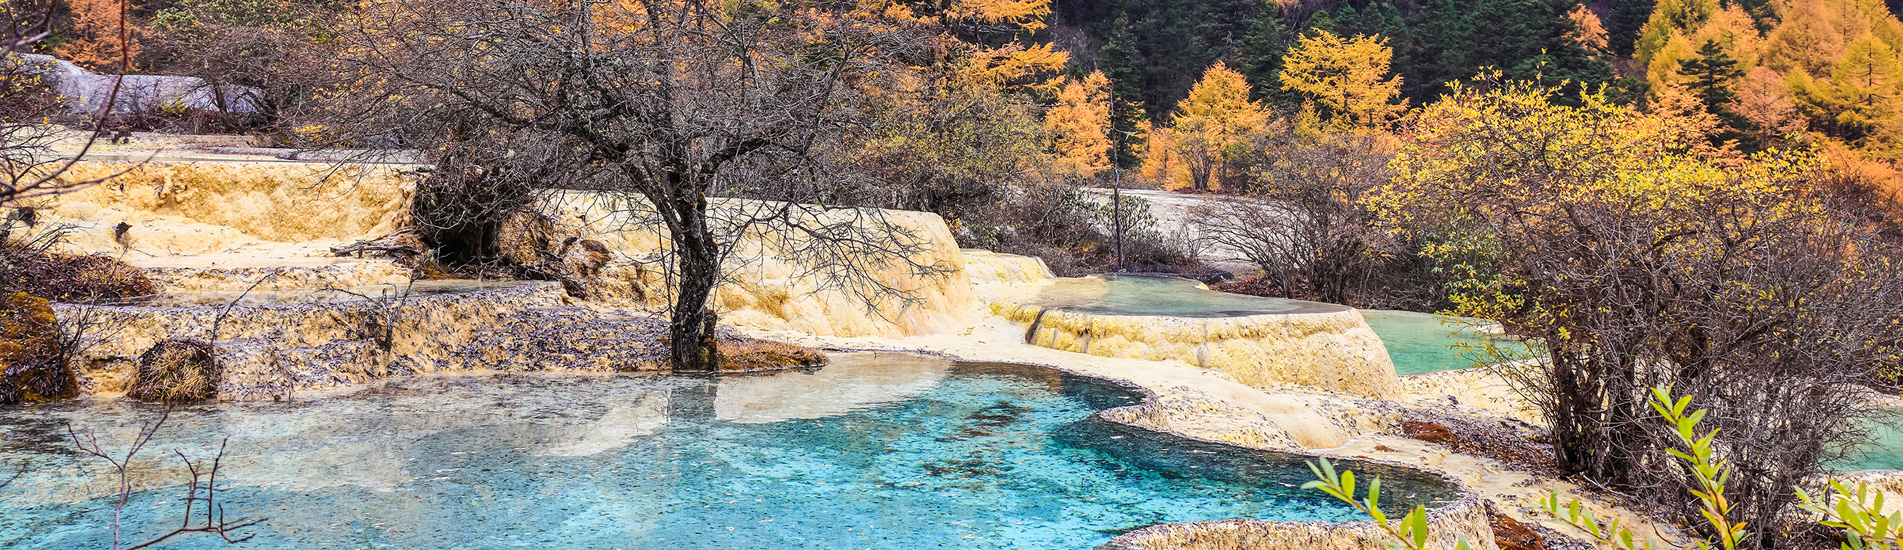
[(1858, 513)]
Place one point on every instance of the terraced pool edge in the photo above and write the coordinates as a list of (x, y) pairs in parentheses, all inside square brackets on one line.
[(1463, 517)]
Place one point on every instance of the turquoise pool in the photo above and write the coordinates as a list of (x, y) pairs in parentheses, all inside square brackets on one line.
[(1424, 342), (1115, 294), (1417, 342), (1884, 450), (874, 451)]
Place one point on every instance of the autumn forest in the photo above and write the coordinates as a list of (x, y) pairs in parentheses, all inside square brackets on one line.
[(1637, 212)]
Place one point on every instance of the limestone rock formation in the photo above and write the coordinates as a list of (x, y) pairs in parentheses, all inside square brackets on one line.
[(86, 92), (30, 365), (176, 371), (1332, 350), (176, 209), (526, 238), (584, 257), (767, 287), (985, 267)]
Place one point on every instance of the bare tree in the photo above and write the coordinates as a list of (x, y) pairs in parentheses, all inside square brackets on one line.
[(1301, 220), (202, 514), (1638, 260), (673, 103), (28, 165)]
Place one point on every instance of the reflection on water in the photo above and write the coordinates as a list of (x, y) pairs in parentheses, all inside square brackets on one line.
[(832, 391), (875, 451), (1165, 296), (1424, 342), (257, 297)]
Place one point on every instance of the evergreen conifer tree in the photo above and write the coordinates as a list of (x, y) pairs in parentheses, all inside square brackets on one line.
[(1710, 76), (1260, 55), (1120, 60)]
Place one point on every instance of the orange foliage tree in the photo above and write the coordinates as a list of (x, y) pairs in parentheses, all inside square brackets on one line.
[(1076, 126), (102, 36), (1349, 76), (1214, 124)]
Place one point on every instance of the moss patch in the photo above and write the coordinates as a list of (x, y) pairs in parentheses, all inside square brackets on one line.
[(176, 371), (30, 366), (749, 355)]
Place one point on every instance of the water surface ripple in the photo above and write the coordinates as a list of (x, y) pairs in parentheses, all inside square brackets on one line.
[(876, 451)]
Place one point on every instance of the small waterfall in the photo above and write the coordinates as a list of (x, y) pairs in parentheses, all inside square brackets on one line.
[(1030, 334)]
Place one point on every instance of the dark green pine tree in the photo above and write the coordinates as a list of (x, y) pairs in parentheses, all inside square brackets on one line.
[(1530, 40), (1764, 15), (1624, 20), (1390, 24), (1320, 21), (1711, 75), (1123, 64), (1348, 21), (1437, 50), (1260, 54)]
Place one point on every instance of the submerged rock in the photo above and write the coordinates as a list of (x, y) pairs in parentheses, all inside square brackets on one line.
[(749, 355), (176, 371), (30, 365)]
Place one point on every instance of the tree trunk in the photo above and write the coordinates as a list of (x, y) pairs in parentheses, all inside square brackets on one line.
[(691, 327)]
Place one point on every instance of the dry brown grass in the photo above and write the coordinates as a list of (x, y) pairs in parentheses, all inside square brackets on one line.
[(27, 265), (176, 371)]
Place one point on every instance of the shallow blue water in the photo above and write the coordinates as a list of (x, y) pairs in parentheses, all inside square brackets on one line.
[(1117, 294), (1424, 342), (1884, 449), (1417, 342), (897, 452)]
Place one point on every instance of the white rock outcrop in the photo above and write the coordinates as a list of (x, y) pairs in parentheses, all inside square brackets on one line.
[(769, 285), (86, 92)]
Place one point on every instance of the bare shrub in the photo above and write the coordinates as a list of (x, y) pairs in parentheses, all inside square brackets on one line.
[(1301, 219), (1639, 262), (27, 264), (176, 371), (202, 513)]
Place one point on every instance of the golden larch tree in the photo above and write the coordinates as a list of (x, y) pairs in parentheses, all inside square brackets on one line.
[(1216, 119), (97, 41), (1078, 124), (1349, 76), (1764, 100), (1858, 103), (1160, 161)]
